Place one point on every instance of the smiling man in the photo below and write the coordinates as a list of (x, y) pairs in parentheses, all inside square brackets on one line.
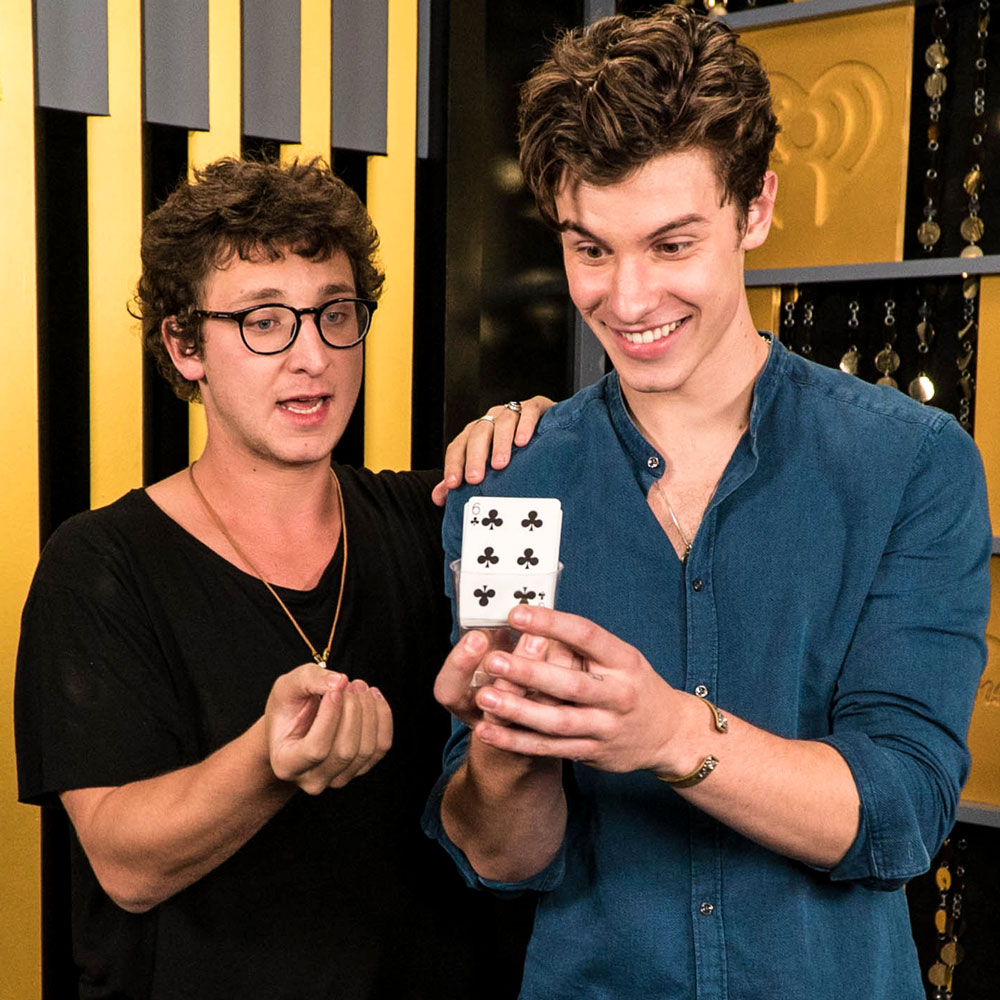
[(744, 730), (209, 668)]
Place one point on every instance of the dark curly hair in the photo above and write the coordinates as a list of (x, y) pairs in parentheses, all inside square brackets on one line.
[(245, 209), (612, 96)]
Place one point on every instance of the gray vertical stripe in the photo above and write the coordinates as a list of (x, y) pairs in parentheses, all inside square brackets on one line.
[(175, 62), (360, 74), (71, 57), (423, 78), (271, 60), (588, 355), (594, 10)]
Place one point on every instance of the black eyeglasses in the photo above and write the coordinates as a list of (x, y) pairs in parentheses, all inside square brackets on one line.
[(272, 328)]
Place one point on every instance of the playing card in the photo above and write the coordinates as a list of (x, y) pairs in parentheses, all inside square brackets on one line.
[(485, 599), (510, 555), (511, 534)]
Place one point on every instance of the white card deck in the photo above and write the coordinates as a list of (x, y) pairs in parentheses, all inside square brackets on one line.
[(510, 555)]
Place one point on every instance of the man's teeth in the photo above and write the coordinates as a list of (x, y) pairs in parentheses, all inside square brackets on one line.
[(300, 406), (649, 336)]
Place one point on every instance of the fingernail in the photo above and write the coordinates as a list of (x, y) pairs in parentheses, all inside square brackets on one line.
[(377, 694), (520, 615), (488, 698), (534, 643), (485, 732), (475, 642), (498, 665), (335, 680)]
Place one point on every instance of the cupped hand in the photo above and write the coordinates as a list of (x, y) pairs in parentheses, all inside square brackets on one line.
[(324, 730)]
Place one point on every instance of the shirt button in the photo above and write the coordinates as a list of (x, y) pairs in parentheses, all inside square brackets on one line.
[(697, 585), (701, 691), (706, 909), (653, 462)]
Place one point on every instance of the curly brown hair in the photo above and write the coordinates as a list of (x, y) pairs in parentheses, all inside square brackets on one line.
[(250, 210), (612, 96)]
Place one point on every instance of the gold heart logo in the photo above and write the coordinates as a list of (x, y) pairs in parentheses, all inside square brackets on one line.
[(829, 131)]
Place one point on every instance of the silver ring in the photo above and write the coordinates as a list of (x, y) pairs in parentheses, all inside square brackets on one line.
[(513, 405), (487, 416)]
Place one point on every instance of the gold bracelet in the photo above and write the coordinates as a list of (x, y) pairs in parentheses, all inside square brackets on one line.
[(710, 763)]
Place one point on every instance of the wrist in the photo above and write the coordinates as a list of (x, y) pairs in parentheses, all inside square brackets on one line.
[(698, 740), (496, 772)]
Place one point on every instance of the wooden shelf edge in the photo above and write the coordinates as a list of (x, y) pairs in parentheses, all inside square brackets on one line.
[(980, 813), (805, 10), (941, 267)]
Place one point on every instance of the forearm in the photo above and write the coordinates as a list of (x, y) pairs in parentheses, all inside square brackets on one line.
[(507, 813), (148, 840), (796, 797)]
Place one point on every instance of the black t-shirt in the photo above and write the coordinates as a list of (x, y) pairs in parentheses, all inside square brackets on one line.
[(142, 651)]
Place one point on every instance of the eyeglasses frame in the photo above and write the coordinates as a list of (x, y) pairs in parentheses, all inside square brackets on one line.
[(313, 311)]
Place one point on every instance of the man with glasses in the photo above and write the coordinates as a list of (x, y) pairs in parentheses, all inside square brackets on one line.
[(210, 667)]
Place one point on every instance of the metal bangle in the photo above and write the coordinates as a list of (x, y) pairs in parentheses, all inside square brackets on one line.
[(700, 773), (710, 763)]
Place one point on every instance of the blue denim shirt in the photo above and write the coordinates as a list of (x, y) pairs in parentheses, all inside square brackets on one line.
[(837, 590)]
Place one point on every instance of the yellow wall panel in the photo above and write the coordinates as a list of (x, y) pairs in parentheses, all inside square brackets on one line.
[(20, 914), (984, 733), (114, 164), (765, 308), (987, 401), (391, 202), (315, 73), (225, 85), (841, 89)]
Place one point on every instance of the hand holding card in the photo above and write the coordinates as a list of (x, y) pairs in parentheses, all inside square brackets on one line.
[(510, 556)]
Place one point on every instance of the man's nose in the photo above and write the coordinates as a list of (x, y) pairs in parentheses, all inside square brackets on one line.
[(309, 352), (633, 292)]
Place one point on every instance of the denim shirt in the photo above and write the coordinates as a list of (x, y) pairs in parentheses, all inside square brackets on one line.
[(837, 590)]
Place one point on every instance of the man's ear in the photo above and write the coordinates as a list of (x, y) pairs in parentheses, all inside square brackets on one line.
[(760, 213), (181, 349)]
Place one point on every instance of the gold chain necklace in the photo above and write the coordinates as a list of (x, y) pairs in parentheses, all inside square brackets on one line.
[(319, 657), (660, 492)]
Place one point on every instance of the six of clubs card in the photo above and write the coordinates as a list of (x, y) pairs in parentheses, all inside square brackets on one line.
[(510, 555)]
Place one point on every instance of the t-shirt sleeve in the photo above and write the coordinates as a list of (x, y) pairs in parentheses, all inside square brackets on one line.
[(900, 715), (94, 703)]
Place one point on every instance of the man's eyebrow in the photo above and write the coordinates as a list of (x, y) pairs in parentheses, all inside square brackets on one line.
[(692, 219), (276, 294), (574, 227)]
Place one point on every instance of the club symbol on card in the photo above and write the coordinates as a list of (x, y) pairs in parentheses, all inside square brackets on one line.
[(493, 520), (523, 596), (528, 559), (485, 595), (475, 514), (489, 557), (532, 521)]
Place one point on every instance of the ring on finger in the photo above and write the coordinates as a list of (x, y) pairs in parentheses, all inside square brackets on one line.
[(487, 416), (513, 405)]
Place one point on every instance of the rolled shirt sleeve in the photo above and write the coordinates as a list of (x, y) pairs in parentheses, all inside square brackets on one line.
[(901, 710)]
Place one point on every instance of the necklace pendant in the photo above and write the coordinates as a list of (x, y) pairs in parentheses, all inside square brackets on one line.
[(320, 658)]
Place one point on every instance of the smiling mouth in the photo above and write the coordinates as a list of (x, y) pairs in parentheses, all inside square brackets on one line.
[(652, 335), (303, 404)]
